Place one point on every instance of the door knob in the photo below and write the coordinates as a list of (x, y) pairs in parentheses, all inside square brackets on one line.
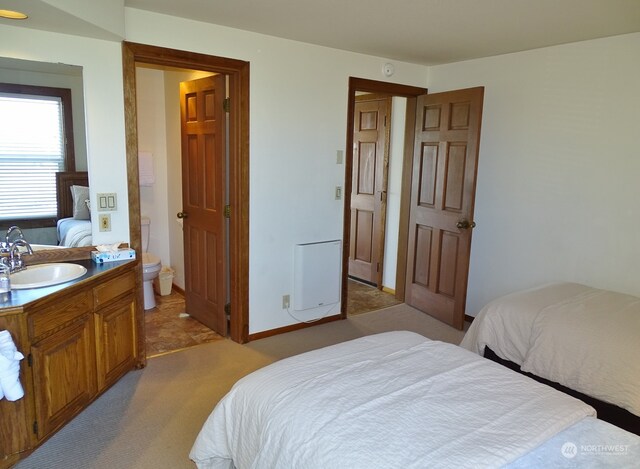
[(182, 215), (465, 225)]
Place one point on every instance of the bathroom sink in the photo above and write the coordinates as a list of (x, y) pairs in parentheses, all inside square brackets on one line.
[(45, 275)]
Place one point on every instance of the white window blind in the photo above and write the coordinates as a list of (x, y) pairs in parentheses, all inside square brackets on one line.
[(31, 152)]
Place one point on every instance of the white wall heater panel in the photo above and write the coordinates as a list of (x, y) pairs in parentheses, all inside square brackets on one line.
[(316, 274)]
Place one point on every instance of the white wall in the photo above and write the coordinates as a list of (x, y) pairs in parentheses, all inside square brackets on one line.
[(174, 168), (558, 192), (297, 122), (394, 190), (101, 63), (152, 138)]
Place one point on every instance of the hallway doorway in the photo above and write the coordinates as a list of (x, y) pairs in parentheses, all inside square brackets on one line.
[(387, 165)]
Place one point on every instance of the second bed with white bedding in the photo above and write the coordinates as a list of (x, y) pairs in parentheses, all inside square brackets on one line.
[(584, 338)]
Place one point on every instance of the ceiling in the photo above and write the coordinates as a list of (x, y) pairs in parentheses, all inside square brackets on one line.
[(419, 31), (425, 32)]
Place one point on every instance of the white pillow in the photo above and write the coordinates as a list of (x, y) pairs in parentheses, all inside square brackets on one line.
[(80, 195)]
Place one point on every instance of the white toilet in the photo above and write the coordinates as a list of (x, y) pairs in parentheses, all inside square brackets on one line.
[(151, 265)]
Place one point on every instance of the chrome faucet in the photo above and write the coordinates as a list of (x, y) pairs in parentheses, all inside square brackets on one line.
[(15, 256), (5, 246)]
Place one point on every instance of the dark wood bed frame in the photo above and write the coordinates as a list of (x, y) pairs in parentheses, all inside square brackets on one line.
[(608, 412), (64, 181)]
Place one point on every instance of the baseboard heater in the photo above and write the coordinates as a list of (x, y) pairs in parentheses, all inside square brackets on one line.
[(316, 274)]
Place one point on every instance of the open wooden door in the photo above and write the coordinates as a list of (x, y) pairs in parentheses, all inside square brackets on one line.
[(447, 138), (203, 147), (368, 187)]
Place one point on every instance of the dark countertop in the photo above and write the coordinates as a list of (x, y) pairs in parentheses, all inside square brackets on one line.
[(18, 298)]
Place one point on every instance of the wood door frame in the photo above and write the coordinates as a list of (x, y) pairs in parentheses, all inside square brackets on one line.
[(238, 73), (389, 89)]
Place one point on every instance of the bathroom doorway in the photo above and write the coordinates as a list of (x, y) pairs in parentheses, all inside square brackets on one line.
[(174, 135), (149, 57)]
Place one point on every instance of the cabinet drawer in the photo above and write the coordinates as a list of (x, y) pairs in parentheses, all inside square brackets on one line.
[(113, 288), (58, 313)]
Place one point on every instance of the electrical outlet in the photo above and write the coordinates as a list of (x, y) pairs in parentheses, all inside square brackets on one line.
[(104, 220), (338, 192), (286, 301)]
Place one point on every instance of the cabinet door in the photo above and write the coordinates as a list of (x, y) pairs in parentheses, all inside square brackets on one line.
[(64, 374), (116, 340)]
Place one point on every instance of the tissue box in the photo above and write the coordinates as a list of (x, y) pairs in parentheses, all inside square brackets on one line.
[(112, 256)]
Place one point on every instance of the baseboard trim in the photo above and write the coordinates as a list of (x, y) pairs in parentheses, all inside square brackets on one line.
[(469, 318), (177, 289), (292, 327), (389, 290)]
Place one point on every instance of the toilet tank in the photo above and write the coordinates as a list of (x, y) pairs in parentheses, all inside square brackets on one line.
[(145, 222)]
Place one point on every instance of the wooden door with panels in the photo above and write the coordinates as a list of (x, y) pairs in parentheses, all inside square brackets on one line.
[(447, 137), (203, 199), (368, 187)]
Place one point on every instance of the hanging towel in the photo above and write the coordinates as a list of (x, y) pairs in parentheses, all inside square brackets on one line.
[(145, 166), (10, 386)]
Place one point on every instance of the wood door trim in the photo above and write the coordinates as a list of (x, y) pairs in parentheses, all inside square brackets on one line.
[(238, 72), (372, 86), (371, 97)]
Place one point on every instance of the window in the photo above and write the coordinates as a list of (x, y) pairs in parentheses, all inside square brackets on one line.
[(36, 141)]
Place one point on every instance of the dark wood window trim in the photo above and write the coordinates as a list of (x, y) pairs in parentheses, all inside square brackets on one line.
[(69, 159)]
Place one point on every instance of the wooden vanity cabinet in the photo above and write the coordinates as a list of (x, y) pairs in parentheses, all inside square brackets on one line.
[(115, 326), (77, 342), (64, 374)]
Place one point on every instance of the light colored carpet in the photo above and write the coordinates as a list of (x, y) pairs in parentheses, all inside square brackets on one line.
[(151, 417)]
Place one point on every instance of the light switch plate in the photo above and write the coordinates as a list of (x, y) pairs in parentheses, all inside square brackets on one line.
[(107, 201), (339, 157)]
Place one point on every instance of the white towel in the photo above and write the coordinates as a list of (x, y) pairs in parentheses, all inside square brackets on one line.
[(147, 175), (10, 386)]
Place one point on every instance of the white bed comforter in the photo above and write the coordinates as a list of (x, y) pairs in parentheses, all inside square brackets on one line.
[(584, 338), (505, 324), (74, 233), (386, 401)]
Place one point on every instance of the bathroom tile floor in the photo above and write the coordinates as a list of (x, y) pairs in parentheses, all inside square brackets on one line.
[(166, 331)]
